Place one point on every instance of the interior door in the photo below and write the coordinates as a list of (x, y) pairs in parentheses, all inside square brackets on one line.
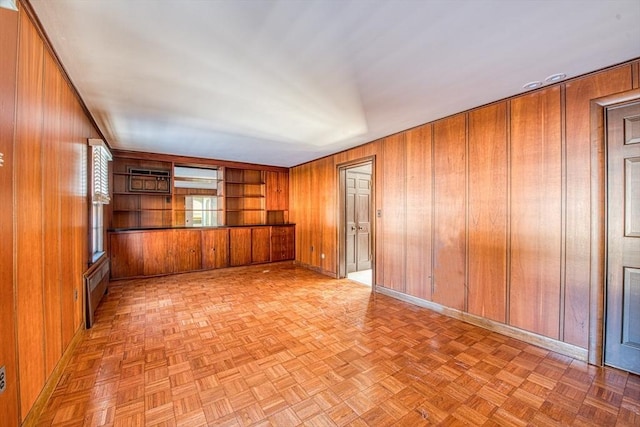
[(622, 335), (358, 219)]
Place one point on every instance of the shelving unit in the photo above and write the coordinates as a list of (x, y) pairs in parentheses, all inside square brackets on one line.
[(245, 196), (195, 212), (141, 194)]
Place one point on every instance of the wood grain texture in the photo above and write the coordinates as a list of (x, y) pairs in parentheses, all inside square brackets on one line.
[(8, 57), (328, 222), (28, 216), (488, 167), (327, 354), (125, 251), (536, 176), (260, 244), (419, 215), (67, 190), (53, 87), (277, 190), (215, 248), (158, 252), (80, 214), (579, 93), (187, 250), (392, 232), (239, 246), (449, 198)]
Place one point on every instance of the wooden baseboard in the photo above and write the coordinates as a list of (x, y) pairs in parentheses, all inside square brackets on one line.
[(510, 331), (33, 416)]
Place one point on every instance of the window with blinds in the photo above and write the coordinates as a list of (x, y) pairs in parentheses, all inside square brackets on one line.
[(100, 171)]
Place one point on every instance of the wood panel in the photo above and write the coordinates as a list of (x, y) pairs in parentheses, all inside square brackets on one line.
[(419, 215), (393, 224), (67, 190), (53, 86), (28, 216), (487, 225), (125, 250), (328, 222), (8, 51), (578, 95), (215, 248), (536, 177), (260, 244), (158, 252), (449, 198), (277, 190), (187, 250), (80, 213), (239, 246)]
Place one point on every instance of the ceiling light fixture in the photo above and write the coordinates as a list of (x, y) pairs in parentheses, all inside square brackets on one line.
[(532, 85), (555, 77)]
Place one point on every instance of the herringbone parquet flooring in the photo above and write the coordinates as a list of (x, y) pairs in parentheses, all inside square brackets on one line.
[(283, 346)]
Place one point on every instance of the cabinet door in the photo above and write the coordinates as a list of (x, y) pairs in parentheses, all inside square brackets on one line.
[(157, 252), (260, 244), (215, 248), (277, 191), (187, 250), (126, 255), (239, 246)]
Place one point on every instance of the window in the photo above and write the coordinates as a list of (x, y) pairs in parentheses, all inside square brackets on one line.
[(100, 158), (201, 211)]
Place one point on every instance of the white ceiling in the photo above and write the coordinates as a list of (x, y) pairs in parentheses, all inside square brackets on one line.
[(284, 82)]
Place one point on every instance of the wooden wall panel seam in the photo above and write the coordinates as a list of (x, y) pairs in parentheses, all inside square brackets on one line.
[(466, 214), (563, 210), (507, 307), (433, 210)]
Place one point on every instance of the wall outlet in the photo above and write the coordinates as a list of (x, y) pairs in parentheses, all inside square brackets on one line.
[(1, 159), (3, 379), (321, 256), (311, 248), (379, 213)]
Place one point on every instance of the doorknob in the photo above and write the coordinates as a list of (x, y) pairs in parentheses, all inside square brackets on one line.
[(353, 228), (360, 228)]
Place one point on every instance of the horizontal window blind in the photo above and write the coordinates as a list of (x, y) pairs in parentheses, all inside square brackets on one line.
[(100, 173)]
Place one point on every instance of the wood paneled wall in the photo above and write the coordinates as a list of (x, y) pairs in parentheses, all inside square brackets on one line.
[(8, 56), (43, 136), (487, 211)]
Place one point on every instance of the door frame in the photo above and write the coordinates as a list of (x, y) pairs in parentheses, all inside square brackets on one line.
[(341, 170), (599, 220)]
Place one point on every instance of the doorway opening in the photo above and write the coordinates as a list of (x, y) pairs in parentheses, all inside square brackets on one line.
[(622, 295), (614, 326), (356, 221)]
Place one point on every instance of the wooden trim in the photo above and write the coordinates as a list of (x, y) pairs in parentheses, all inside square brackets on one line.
[(193, 161), (510, 331), (341, 169), (33, 416), (599, 221)]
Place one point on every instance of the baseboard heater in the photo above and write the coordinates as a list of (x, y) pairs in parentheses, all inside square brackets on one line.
[(96, 281)]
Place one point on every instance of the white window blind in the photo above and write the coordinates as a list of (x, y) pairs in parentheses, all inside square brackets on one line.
[(100, 165)]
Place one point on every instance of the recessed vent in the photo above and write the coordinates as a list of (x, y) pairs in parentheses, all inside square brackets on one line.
[(149, 181)]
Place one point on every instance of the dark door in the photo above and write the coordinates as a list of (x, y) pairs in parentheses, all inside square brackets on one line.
[(358, 219), (622, 337)]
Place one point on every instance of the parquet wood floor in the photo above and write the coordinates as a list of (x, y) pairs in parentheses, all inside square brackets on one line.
[(278, 345)]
